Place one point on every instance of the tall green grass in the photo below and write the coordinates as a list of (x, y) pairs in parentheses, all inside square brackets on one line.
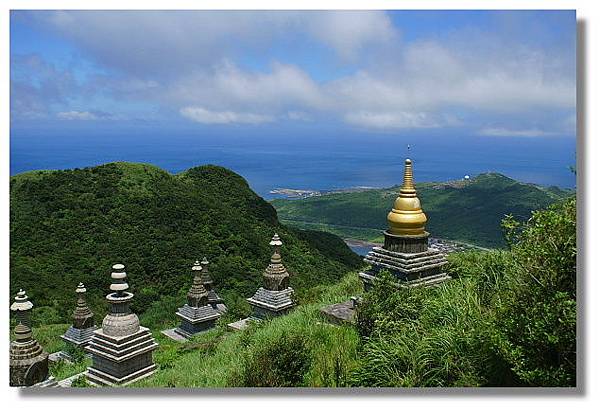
[(299, 349)]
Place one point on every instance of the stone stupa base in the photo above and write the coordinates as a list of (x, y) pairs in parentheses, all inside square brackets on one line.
[(195, 320), (49, 382), (79, 337), (268, 303), (411, 269), (120, 360)]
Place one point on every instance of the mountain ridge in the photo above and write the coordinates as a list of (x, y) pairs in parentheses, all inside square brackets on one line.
[(463, 210)]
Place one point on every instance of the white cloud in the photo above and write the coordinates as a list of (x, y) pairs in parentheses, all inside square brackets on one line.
[(504, 132), (204, 116), (194, 62), (76, 115), (390, 120), (299, 116), (349, 32)]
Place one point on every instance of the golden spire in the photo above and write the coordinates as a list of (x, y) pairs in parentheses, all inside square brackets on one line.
[(406, 217)]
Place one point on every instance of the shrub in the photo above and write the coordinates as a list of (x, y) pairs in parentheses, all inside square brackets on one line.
[(537, 315)]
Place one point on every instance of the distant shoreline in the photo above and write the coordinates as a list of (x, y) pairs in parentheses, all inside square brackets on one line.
[(360, 243)]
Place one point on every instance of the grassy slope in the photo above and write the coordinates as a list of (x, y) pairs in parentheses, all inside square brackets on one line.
[(465, 211), (72, 225), (217, 358)]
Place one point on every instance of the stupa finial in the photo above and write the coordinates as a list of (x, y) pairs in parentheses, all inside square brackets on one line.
[(22, 307), (119, 276), (407, 217), (197, 296), (275, 277)]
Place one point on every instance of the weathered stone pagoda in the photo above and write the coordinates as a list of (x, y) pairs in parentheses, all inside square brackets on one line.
[(28, 360), (405, 253), (80, 333), (274, 298), (198, 314), (213, 298), (121, 350)]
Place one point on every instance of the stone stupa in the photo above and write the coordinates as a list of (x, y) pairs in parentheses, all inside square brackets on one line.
[(274, 298), (28, 360), (80, 333), (122, 349), (198, 314), (213, 298), (405, 253)]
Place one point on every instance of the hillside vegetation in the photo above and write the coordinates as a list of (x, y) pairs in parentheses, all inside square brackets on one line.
[(469, 211), (73, 225), (508, 318)]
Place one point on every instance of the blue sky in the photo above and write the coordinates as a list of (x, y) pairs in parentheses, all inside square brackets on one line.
[(487, 73)]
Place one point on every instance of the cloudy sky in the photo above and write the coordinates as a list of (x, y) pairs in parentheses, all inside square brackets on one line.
[(496, 74)]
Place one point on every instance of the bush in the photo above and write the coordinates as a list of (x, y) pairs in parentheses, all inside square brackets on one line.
[(537, 316), (508, 318), (282, 363)]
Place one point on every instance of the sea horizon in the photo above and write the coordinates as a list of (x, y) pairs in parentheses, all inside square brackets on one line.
[(301, 161)]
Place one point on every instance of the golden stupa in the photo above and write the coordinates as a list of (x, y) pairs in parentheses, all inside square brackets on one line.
[(407, 218)]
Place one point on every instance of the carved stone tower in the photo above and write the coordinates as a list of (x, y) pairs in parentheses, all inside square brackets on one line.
[(28, 360), (275, 296), (122, 349), (198, 314), (405, 252), (213, 298), (82, 330)]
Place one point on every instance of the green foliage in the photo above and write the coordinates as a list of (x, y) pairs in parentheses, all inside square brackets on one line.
[(77, 354), (299, 349), (508, 317), (468, 211), (282, 363), (73, 225), (537, 315)]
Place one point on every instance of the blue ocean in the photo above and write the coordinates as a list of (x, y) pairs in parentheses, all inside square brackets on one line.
[(304, 159)]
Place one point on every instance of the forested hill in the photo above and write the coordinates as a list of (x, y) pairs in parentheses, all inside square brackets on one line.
[(464, 210), (72, 225)]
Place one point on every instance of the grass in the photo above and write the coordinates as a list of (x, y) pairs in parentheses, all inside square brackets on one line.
[(219, 358)]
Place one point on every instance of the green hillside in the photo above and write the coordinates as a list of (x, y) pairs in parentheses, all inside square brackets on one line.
[(469, 211), (72, 225), (507, 318)]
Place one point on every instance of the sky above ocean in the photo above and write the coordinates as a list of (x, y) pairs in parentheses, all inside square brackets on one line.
[(342, 93)]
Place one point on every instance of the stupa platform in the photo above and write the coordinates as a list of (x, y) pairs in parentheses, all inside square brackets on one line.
[(49, 382), (270, 303), (241, 324), (195, 320), (172, 334), (411, 269), (121, 359), (79, 337), (100, 379)]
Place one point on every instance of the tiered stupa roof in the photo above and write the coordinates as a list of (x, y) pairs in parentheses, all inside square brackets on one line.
[(197, 296), (198, 314), (28, 360), (275, 296), (275, 276), (207, 282), (80, 333)]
